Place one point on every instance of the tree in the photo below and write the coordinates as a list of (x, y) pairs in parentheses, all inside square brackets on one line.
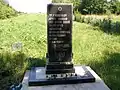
[(93, 6), (115, 6)]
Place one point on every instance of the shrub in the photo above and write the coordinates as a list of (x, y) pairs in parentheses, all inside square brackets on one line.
[(117, 27), (12, 67), (6, 11), (104, 23), (77, 17)]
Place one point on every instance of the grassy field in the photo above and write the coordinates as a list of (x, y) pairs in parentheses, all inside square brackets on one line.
[(91, 46)]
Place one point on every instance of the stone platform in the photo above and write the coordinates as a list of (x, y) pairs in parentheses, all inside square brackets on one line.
[(97, 85)]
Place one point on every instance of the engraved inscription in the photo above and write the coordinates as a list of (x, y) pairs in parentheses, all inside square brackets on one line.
[(59, 32)]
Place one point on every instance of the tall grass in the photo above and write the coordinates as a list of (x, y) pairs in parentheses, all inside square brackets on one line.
[(108, 24), (91, 46)]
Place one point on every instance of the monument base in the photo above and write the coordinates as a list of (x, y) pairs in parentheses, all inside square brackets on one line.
[(37, 77)]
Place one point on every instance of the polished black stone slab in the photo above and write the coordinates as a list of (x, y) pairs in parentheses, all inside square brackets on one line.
[(60, 71), (59, 32), (59, 38), (59, 66), (80, 78)]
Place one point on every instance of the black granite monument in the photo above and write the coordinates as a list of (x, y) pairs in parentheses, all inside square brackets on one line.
[(59, 67), (59, 37)]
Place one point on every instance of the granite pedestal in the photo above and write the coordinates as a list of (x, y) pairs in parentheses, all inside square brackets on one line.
[(37, 77), (97, 85)]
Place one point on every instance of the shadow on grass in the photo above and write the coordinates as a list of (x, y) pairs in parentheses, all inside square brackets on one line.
[(106, 25), (36, 62), (109, 70), (13, 67), (110, 27)]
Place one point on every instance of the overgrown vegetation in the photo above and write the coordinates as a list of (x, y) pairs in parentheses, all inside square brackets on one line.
[(12, 67), (91, 46), (106, 23), (94, 6), (30, 31), (6, 11), (99, 6)]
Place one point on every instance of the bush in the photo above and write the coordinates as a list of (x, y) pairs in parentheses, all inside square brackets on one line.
[(77, 17), (105, 24), (6, 11), (12, 67)]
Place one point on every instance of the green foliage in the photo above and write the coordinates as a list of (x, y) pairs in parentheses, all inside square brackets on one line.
[(99, 50), (105, 23), (12, 66), (91, 46), (76, 3), (6, 11), (118, 8), (115, 7), (30, 30), (93, 6), (96, 6), (36, 62), (77, 17)]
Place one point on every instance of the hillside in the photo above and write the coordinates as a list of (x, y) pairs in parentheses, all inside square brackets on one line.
[(91, 46)]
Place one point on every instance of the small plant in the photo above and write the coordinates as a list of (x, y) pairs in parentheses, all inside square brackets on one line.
[(77, 17)]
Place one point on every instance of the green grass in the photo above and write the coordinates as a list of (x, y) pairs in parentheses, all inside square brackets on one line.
[(100, 51), (91, 46), (30, 30), (116, 18)]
